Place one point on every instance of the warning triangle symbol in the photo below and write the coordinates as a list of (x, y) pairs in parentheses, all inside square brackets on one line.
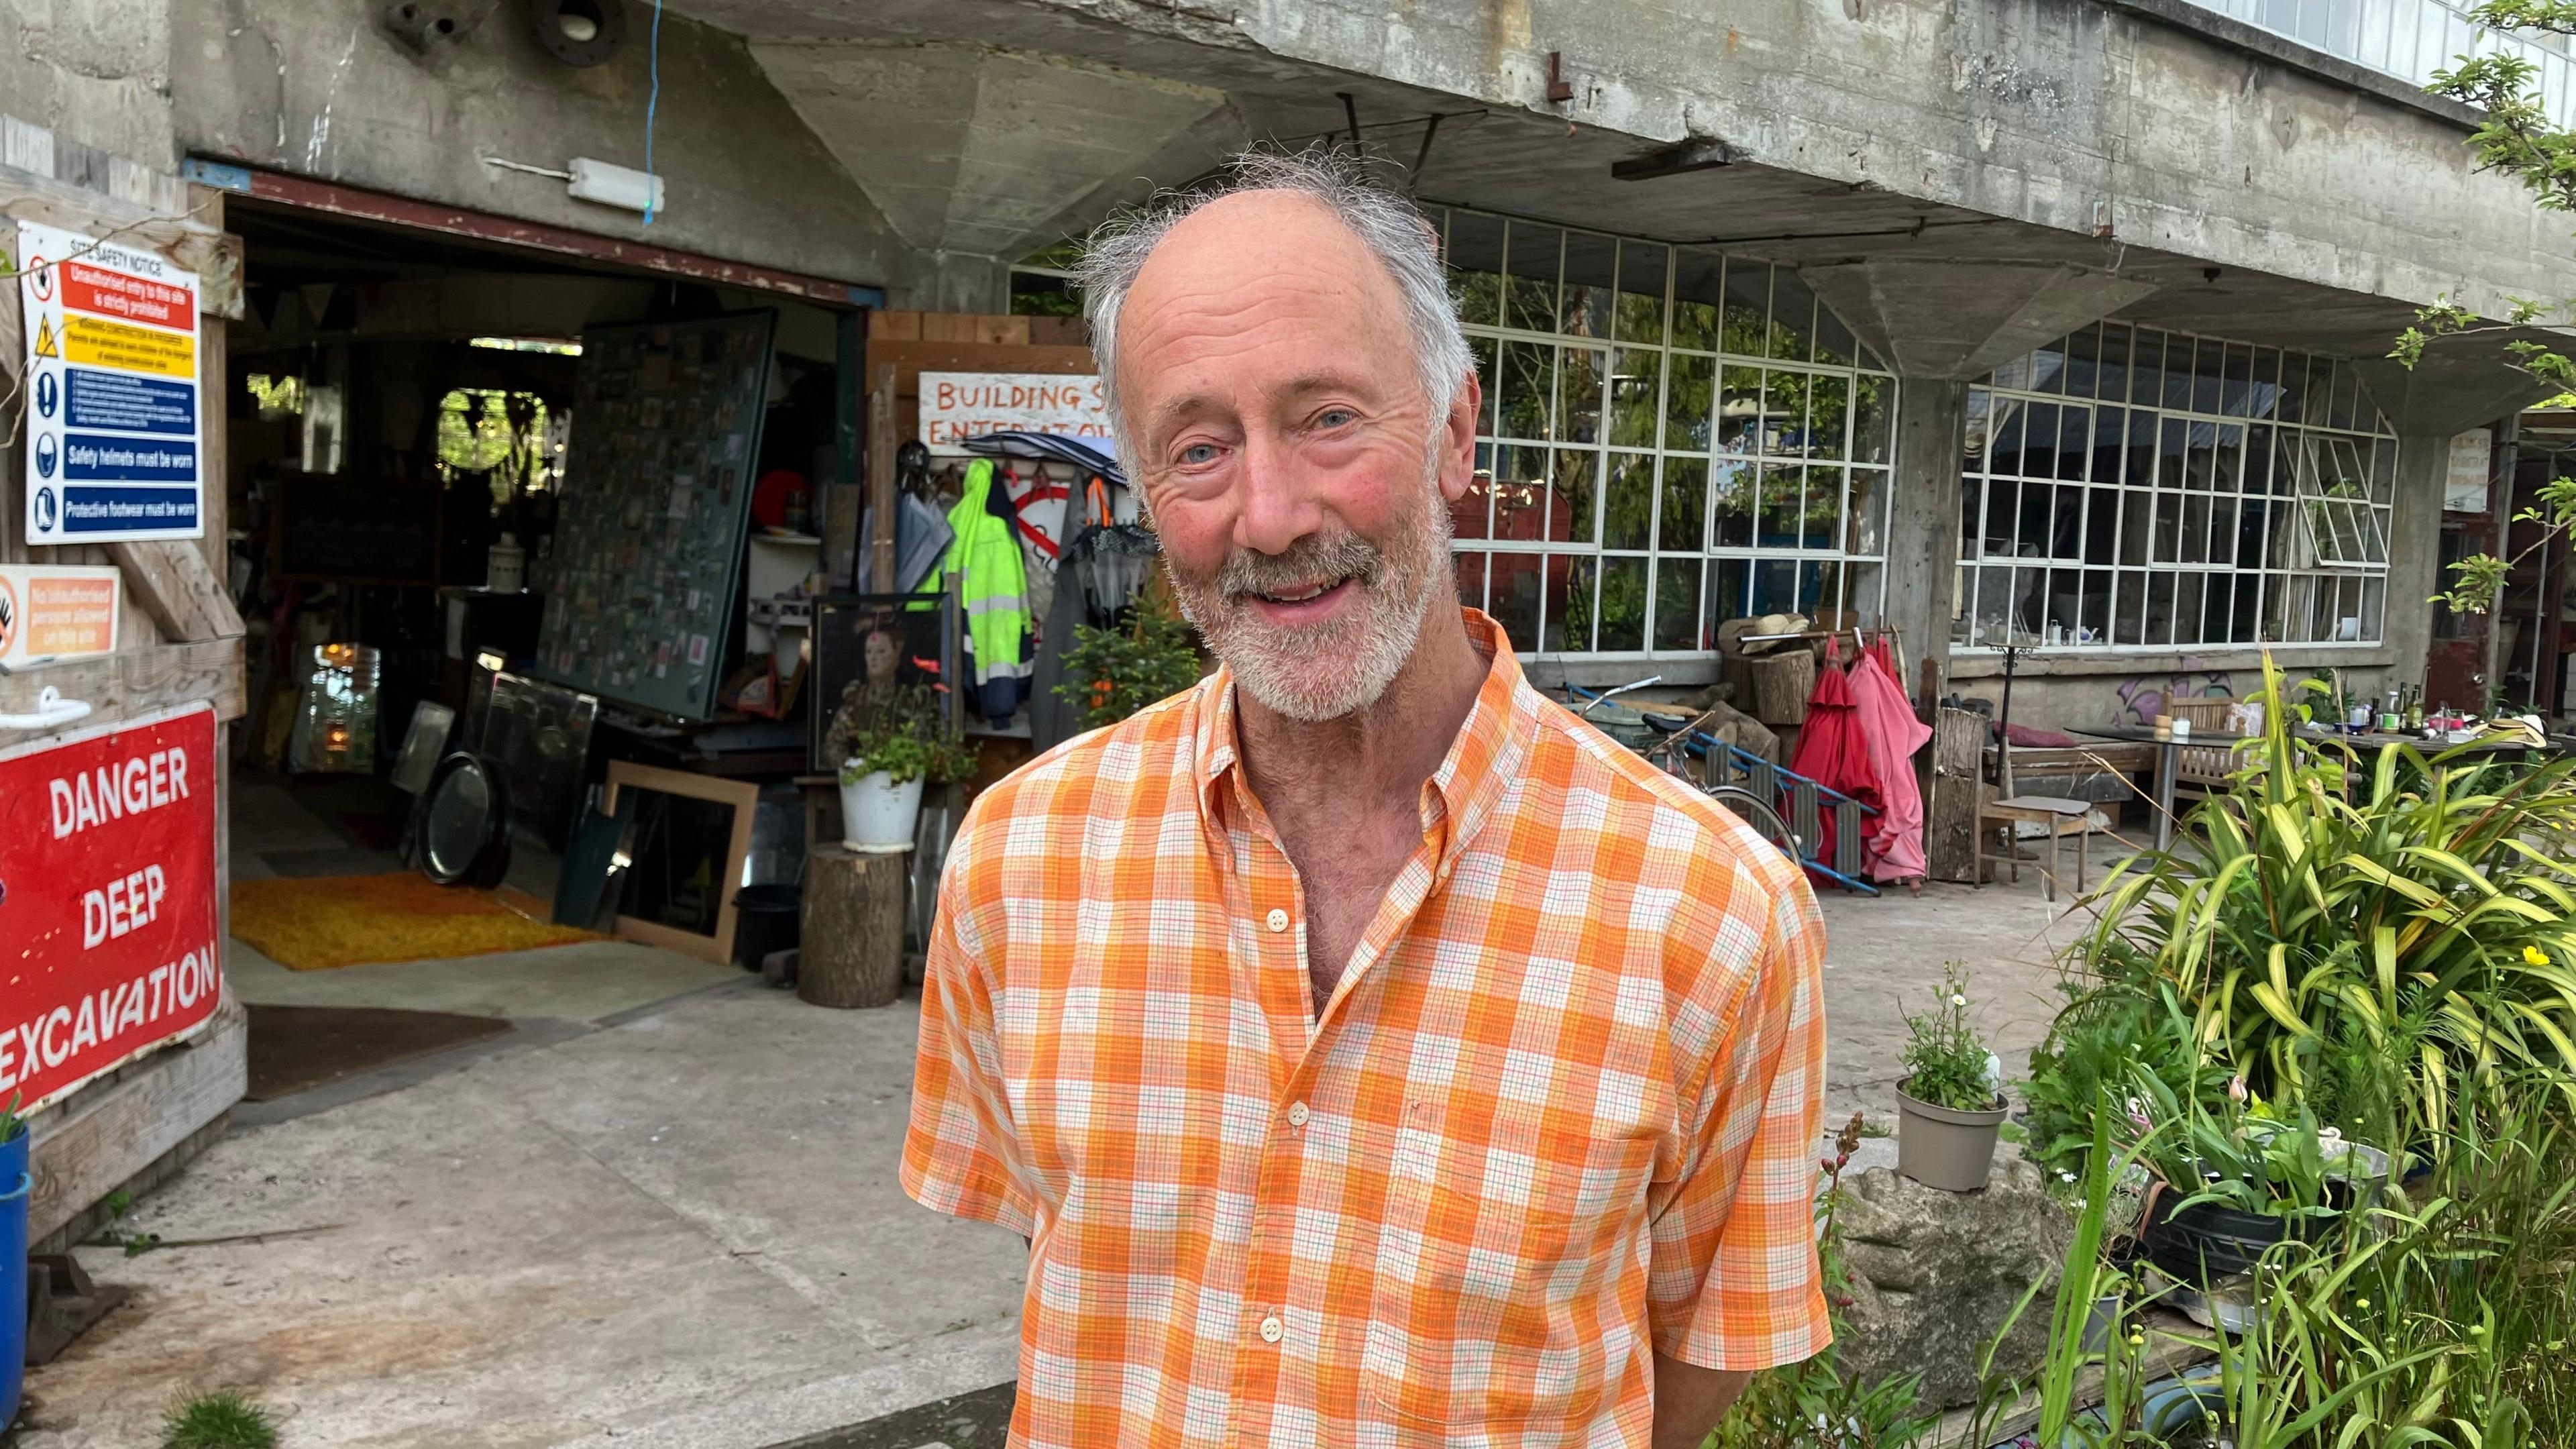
[(45, 339)]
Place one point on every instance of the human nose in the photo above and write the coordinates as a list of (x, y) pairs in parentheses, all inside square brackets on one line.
[(1280, 502)]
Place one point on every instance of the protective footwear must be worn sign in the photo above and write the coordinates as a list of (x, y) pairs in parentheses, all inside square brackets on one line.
[(115, 434), (109, 938)]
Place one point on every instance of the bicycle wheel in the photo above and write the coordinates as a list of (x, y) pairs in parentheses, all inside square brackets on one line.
[(1758, 813)]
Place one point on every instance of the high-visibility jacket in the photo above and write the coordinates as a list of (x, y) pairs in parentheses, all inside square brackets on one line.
[(995, 583)]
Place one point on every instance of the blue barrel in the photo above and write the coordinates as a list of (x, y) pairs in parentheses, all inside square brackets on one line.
[(15, 1186)]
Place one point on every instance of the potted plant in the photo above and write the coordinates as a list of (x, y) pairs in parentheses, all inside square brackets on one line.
[(2237, 1182), (882, 779), (1950, 1105), (1112, 673)]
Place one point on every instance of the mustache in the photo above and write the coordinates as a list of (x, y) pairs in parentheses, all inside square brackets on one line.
[(1314, 558)]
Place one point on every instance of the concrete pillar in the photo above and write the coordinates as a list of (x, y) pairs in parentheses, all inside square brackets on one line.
[(1923, 518), (1941, 324), (2414, 552), (2461, 382), (957, 282)]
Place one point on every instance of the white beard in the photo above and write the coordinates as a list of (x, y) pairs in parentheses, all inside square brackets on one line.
[(1344, 665)]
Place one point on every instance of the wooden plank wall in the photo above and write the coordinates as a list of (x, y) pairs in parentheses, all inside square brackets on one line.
[(180, 639), (916, 342)]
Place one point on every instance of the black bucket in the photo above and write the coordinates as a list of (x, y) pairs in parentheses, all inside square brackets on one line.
[(766, 918), (2205, 1242)]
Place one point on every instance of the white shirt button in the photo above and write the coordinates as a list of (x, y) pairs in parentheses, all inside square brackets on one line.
[(1278, 920), (1296, 1114), (1271, 1331)]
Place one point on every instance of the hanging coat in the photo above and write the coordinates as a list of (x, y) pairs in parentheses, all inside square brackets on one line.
[(1832, 751), (1894, 848), (995, 588)]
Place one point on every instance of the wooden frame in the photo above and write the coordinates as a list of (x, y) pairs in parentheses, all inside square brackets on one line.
[(744, 797)]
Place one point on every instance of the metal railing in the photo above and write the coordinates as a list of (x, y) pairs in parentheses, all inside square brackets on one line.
[(2408, 39)]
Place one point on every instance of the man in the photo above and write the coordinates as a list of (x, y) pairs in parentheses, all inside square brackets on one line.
[(1373, 1053)]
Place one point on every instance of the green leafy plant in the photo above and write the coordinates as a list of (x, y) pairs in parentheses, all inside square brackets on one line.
[(2096, 1050), (220, 1420), (911, 750), (1112, 673), (2418, 912), (1946, 1061), (2253, 1162), (11, 1124)]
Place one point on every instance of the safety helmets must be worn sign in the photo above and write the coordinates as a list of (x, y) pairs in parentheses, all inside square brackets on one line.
[(115, 425)]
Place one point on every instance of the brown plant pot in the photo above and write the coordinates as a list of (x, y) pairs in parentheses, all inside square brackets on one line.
[(1945, 1148)]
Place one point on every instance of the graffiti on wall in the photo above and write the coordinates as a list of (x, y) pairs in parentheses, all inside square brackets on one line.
[(2143, 697)]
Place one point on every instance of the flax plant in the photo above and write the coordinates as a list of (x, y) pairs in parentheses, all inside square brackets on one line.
[(2391, 926)]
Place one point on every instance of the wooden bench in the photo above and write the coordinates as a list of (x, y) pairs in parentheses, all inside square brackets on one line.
[(2120, 762), (2058, 816)]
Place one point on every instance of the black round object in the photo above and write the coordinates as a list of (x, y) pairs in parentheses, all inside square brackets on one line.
[(2206, 1242), (766, 918), (465, 823), (580, 33)]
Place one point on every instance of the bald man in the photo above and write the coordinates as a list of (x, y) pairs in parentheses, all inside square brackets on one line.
[(1372, 1052)]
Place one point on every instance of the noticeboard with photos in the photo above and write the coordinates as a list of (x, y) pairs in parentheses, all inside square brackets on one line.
[(648, 546)]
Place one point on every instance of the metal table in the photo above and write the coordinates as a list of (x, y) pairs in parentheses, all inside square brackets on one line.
[(2369, 742), (2166, 748)]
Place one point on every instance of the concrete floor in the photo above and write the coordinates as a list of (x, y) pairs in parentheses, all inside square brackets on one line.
[(683, 1227), (684, 1230)]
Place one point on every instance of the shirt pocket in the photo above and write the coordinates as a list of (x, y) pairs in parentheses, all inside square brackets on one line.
[(1505, 1262)]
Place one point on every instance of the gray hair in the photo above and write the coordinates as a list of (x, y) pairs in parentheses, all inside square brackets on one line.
[(1397, 233)]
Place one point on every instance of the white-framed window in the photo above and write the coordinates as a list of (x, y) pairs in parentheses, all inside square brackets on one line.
[(1672, 438), (2130, 488)]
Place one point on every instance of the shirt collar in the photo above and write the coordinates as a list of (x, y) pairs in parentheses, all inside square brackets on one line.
[(1478, 771)]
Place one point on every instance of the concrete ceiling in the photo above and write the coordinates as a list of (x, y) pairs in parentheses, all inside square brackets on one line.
[(1148, 68)]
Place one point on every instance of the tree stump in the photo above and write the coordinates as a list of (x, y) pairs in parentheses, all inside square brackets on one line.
[(851, 946)]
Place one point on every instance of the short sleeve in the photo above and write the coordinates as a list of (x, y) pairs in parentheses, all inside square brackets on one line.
[(1735, 1283), (959, 1151)]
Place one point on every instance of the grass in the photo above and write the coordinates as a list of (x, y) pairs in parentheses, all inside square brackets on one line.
[(220, 1420)]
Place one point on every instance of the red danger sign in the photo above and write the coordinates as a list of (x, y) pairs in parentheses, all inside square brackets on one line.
[(103, 293), (109, 938)]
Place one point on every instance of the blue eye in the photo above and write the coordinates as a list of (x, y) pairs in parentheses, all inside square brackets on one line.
[(1199, 453), (1335, 417)]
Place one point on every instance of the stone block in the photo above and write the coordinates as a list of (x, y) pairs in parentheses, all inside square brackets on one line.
[(1934, 1274)]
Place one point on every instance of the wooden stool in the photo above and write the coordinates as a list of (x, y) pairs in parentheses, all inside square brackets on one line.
[(2061, 816), (850, 948)]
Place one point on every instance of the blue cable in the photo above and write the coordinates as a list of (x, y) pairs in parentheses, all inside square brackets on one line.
[(652, 101)]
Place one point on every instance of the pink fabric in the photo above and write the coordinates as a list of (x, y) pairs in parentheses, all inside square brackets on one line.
[(1894, 847), (1832, 751)]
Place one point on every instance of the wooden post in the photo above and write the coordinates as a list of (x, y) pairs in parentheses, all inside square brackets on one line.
[(1950, 811), (881, 489), (850, 950)]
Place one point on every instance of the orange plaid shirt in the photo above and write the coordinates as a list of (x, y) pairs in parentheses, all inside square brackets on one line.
[(1561, 1109)]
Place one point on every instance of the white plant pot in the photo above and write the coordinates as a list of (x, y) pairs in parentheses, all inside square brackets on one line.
[(878, 814)]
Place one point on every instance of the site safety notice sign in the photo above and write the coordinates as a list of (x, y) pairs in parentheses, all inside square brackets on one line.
[(115, 431), (109, 938)]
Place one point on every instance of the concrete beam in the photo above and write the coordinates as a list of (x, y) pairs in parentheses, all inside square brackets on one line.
[(974, 150), (1955, 320), (2462, 381)]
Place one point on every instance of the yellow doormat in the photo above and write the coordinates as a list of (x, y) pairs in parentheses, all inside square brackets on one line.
[(316, 923)]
